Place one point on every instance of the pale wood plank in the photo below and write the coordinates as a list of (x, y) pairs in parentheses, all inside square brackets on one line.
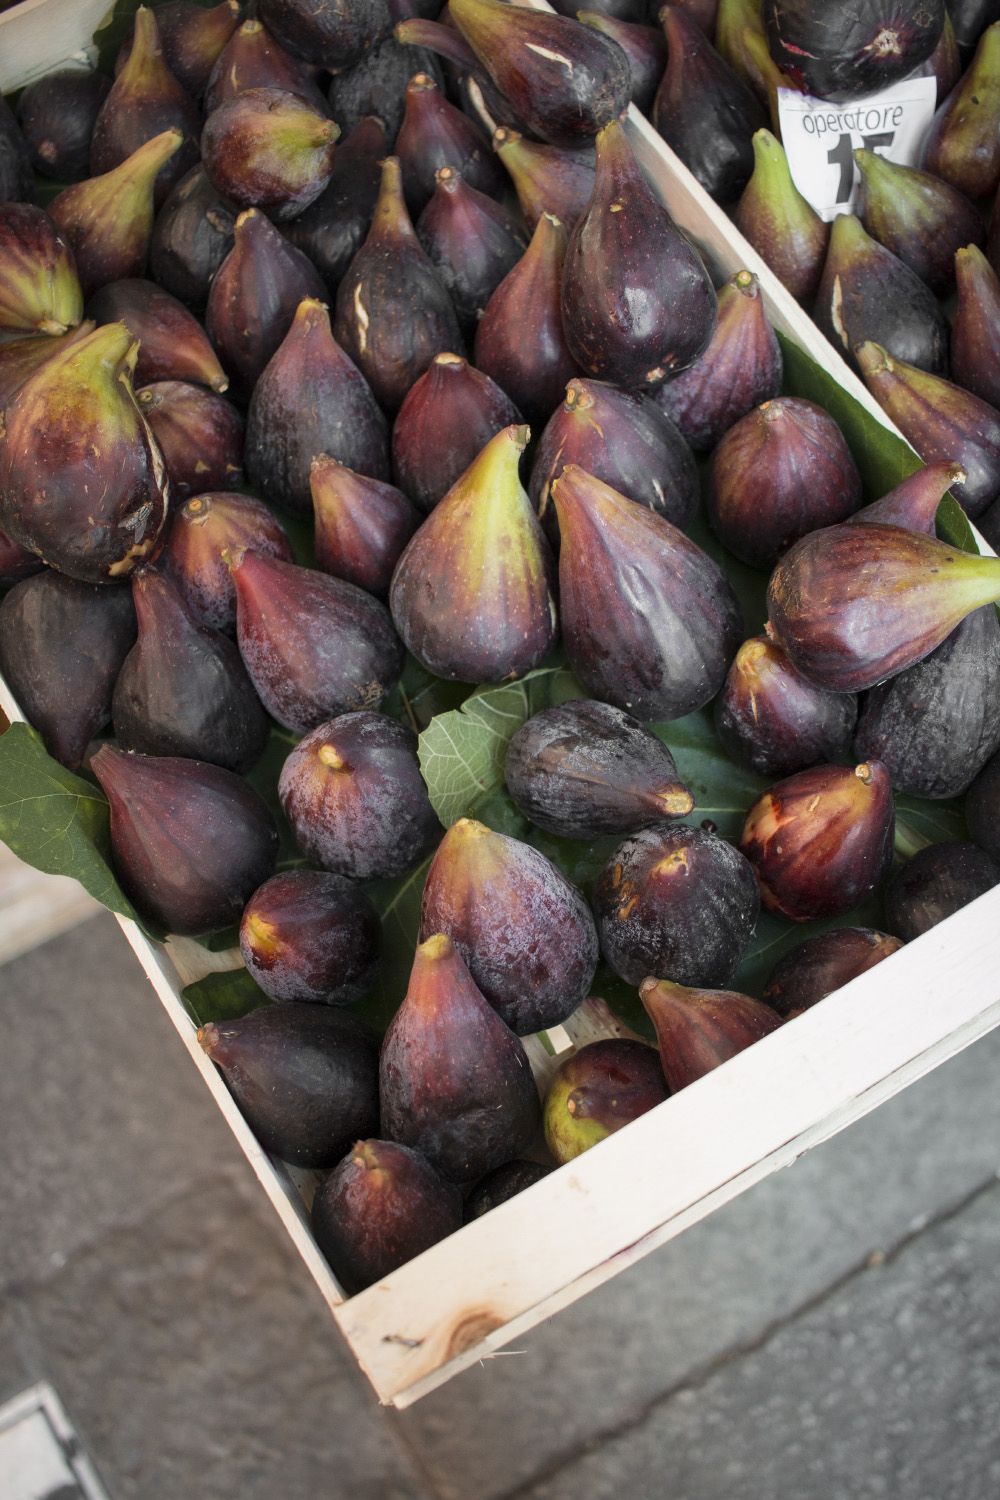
[(38, 36)]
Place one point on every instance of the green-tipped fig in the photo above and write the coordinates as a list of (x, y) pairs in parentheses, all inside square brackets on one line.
[(821, 964), (379, 1208), (854, 605), (473, 595), (821, 841), (845, 49), (82, 481), (975, 331), (583, 769), (918, 217), (565, 80), (784, 229), (145, 100), (734, 20), (108, 220), (192, 38), (454, 1081), (39, 288), (361, 525), (941, 420), (914, 502), (596, 1091), (637, 304), (310, 935), (964, 144), (269, 149), (524, 931), (547, 179), (697, 1029), (938, 881), (20, 358), (659, 644)]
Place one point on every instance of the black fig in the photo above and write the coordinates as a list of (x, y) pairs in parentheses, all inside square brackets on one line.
[(311, 399), (937, 882), (918, 217), (848, 48), (203, 530), (547, 179), (525, 933), (822, 964), (677, 903), (741, 367), (454, 1081), (314, 646), (190, 842), (192, 236), (172, 344), (269, 149), (332, 229), (377, 84), (199, 434), (182, 689), (62, 644), (501, 1185), (784, 229), (472, 242), (821, 841), (353, 793), (659, 648), (305, 1078), (383, 1205), (362, 525), (638, 305), (584, 769), (772, 719), (17, 183), (982, 808), (309, 935), (435, 134), (448, 417), (330, 36), (777, 474), (473, 595), (596, 1091), (697, 1029)]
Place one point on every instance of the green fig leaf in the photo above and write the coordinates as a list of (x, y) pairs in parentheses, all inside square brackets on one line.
[(398, 904), (223, 997), (58, 822)]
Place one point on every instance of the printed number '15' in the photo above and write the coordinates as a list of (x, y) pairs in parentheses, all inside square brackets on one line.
[(842, 156)]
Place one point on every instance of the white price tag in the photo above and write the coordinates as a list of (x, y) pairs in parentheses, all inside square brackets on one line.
[(820, 138)]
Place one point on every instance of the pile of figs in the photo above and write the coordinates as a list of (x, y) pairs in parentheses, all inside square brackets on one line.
[(351, 351)]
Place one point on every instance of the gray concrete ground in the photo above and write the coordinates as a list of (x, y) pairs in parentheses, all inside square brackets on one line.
[(833, 1334)]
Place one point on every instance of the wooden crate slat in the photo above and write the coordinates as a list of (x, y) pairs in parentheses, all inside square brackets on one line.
[(38, 36)]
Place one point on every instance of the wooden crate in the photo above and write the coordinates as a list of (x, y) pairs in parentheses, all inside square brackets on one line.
[(501, 1275)]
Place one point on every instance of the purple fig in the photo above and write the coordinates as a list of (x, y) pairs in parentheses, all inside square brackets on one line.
[(921, 219), (784, 229), (56, 115), (866, 292), (821, 841), (778, 473), (975, 330), (936, 725), (448, 417), (852, 607), (677, 903), (269, 149), (62, 644), (454, 1081), (193, 234), (524, 931), (108, 220), (624, 439), (314, 646), (353, 793), (914, 502), (963, 147), (330, 36), (393, 313), (547, 179), (941, 420), (534, 374), (82, 481), (332, 230), (741, 367), (192, 38), (661, 647), (309, 935), (772, 719), (16, 563), (383, 1205), (145, 100), (850, 48), (644, 46), (20, 358), (822, 964), (39, 288), (199, 434), (172, 344), (567, 81), (254, 295), (362, 525), (305, 1077), (944, 63), (697, 1029), (938, 881), (435, 134), (472, 242), (500, 1185), (479, 96), (182, 689), (473, 594), (311, 399), (203, 530), (637, 303), (584, 769), (596, 1091), (190, 842), (252, 59)]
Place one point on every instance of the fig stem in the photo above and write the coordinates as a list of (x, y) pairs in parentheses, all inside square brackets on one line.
[(907, 840), (409, 710)]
